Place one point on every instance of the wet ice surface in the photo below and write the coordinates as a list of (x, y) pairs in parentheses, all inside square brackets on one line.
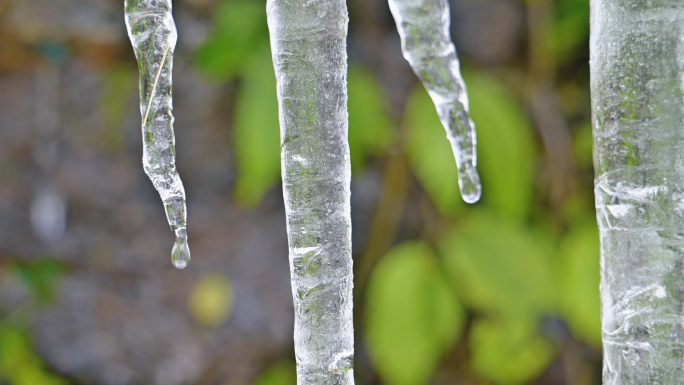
[(637, 60), (308, 41), (425, 41), (153, 35)]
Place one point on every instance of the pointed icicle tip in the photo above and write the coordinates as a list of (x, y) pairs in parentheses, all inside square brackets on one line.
[(180, 255), (469, 183)]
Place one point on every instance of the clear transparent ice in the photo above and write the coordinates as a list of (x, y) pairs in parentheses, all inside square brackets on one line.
[(308, 44), (153, 34), (423, 26)]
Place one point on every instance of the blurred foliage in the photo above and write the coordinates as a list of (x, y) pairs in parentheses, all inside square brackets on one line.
[(211, 299), (239, 27), (42, 278), (506, 148), (117, 91), (255, 132), (492, 272), (412, 317), (281, 373), (429, 152), (474, 285), (19, 362), (570, 28), (509, 350), (370, 131), (578, 279)]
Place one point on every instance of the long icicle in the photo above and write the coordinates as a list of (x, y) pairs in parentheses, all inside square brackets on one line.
[(153, 35), (423, 26), (308, 43), (637, 83)]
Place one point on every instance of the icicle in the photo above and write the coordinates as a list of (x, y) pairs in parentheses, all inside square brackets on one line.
[(637, 82), (425, 41), (153, 35), (308, 42)]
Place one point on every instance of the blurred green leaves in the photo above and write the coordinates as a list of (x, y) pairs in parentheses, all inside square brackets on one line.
[(19, 363), (508, 276), (42, 276), (281, 373), (578, 278), (413, 317), (499, 266), (430, 154), (239, 48), (570, 28), (509, 350), (370, 131), (256, 133), (506, 148), (239, 27), (505, 145)]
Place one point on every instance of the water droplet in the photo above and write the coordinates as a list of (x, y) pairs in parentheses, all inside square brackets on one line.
[(469, 182), (180, 255)]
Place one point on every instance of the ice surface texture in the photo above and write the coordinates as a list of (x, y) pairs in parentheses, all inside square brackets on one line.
[(637, 55), (425, 41), (308, 43), (153, 35)]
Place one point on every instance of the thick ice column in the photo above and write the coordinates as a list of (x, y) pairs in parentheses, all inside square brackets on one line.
[(637, 88), (423, 26), (308, 42), (153, 35)]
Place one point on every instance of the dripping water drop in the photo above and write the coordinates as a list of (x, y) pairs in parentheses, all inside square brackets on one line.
[(469, 183), (180, 255)]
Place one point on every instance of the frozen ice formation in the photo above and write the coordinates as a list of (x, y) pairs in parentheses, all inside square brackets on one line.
[(153, 35), (425, 41), (637, 83), (308, 44)]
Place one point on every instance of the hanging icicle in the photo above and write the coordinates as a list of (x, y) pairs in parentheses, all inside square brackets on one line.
[(637, 82), (425, 41), (308, 42), (153, 35)]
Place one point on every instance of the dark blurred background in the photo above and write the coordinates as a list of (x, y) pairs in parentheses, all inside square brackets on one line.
[(501, 292)]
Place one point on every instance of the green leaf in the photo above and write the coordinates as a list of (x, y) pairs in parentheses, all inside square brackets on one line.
[(430, 154), (582, 145), (570, 28), (239, 27), (42, 277), (282, 373), (499, 266), (19, 364), (509, 351), (256, 133), (412, 315), (578, 278), (370, 132), (505, 145)]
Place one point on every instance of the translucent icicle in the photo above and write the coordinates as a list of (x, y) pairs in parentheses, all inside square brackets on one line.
[(425, 41), (153, 35), (637, 83), (308, 43)]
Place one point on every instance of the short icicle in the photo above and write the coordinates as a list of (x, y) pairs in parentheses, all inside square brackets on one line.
[(308, 42), (153, 35), (425, 41)]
